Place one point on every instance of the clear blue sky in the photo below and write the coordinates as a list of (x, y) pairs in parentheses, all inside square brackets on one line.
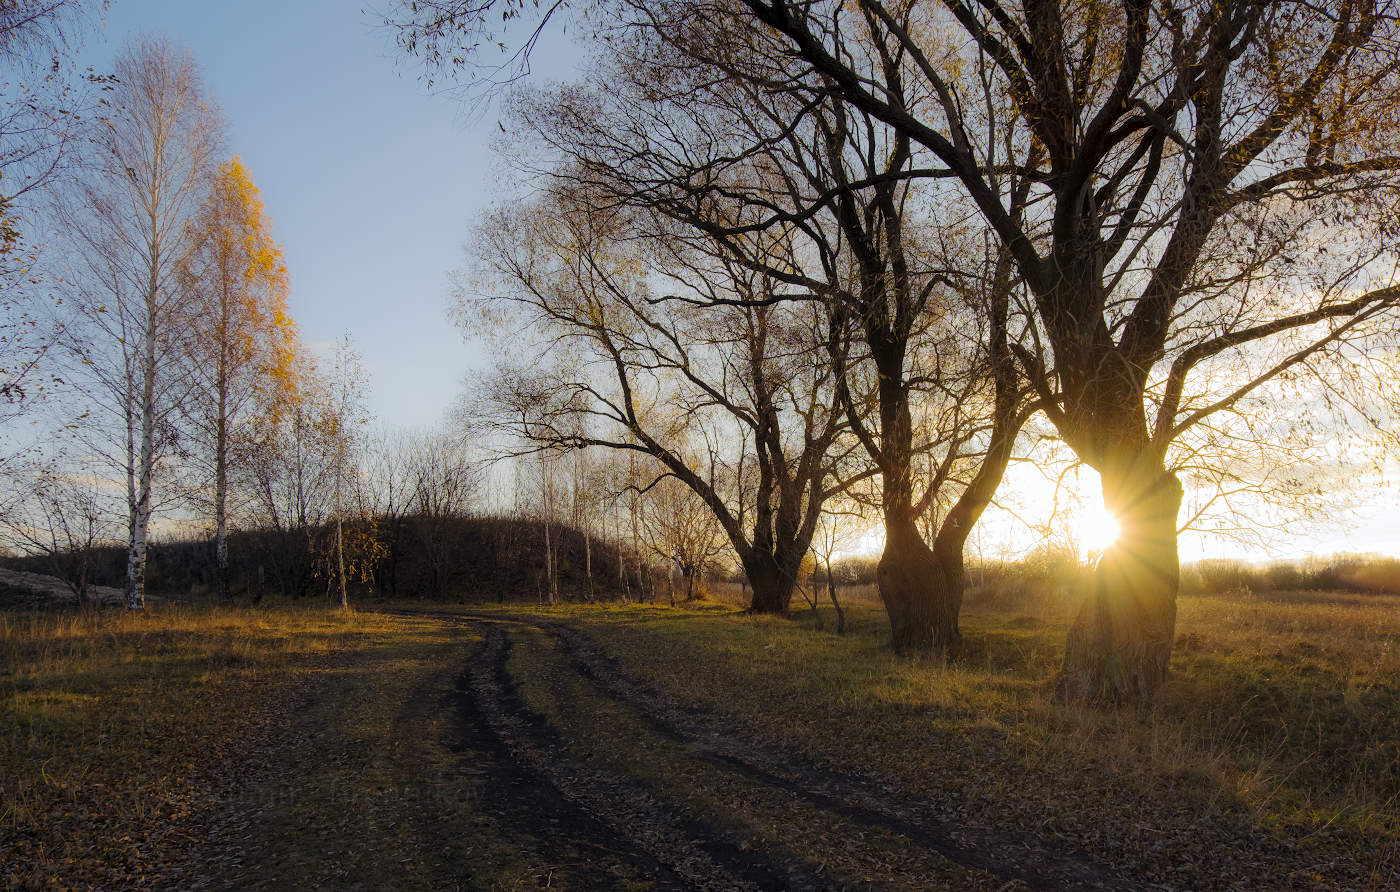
[(372, 183)]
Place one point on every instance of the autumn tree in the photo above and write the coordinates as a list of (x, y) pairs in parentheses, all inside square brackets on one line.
[(1214, 190), (130, 219), (736, 403), (243, 340)]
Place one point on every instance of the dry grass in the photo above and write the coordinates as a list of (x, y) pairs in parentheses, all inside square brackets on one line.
[(1278, 733), (110, 718), (1281, 723)]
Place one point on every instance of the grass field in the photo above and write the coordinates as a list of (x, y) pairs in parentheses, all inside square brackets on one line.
[(192, 747)]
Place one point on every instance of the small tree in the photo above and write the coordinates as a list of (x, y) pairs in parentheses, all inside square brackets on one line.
[(444, 482), (342, 417), (682, 531), (831, 535), (62, 519)]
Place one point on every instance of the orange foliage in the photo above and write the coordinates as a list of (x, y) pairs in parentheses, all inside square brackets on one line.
[(241, 276)]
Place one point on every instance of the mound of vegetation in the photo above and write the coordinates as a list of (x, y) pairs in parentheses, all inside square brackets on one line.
[(475, 558)]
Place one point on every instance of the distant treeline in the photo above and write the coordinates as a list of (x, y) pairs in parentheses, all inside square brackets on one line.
[(437, 558), (1051, 569), (507, 559)]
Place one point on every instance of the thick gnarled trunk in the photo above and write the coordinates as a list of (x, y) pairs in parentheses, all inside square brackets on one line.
[(772, 588), (920, 601), (1119, 648)]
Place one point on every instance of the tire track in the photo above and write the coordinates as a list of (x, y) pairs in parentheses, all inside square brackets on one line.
[(573, 842), (687, 854), (1010, 856)]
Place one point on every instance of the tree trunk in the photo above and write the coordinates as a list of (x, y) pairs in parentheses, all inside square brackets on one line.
[(1119, 647), (140, 516), (831, 590), (551, 585), (135, 559), (588, 561), (772, 589), (340, 562), (221, 444), (919, 598), (221, 501)]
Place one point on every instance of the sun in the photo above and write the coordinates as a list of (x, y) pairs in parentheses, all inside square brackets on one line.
[(1098, 529)]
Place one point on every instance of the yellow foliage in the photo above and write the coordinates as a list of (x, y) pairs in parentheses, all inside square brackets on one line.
[(240, 278)]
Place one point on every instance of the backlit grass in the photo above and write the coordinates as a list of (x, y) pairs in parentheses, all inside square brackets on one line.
[(1282, 718)]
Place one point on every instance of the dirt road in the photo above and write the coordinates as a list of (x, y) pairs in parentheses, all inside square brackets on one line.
[(494, 751), (641, 783)]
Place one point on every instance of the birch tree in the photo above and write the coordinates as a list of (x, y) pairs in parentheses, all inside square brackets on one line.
[(130, 219), (244, 341)]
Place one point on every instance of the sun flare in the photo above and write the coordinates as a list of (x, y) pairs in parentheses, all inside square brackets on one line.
[(1098, 529)]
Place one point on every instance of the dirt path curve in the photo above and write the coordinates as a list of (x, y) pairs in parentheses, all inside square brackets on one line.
[(697, 855)]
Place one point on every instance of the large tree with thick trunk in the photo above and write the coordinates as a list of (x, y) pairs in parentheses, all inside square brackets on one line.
[(1213, 189), (1210, 211), (687, 123)]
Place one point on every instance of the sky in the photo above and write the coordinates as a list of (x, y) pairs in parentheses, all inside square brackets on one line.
[(374, 183)]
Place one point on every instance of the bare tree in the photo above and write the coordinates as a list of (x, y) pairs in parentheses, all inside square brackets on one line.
[(549, 487), (817, 199), (682, 531), (833, 534), (1215, 192), (736, 403), (342, 417), (129, 219), (42, 109), (1209, 211), (386, 489), (63, 517), (286, 470), (445, 483)]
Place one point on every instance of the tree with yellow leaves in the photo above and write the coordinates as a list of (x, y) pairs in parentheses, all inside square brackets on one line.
[(245, 341)]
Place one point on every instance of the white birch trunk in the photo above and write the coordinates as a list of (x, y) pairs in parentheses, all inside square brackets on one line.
[(140, 516)]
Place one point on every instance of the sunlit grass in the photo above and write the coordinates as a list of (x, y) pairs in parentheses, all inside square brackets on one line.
[(1283, 713)]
